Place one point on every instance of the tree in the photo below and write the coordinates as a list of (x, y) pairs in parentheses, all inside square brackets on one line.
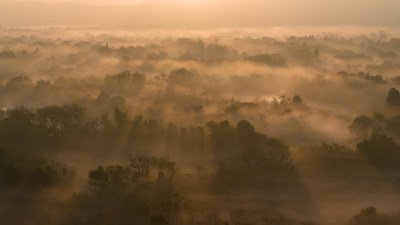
[(19, 127), (53, 173), (274, 60), (239, 217), (164, 168), (125, 82), (98, 177), (277, 154), (171, 202), (368, 216), (249, 146), (119, 176), (212, 217), (181, 77), (259, 151), (393, 97), (221, 137), (120, 117), (362, 126), (141, 165), (297, 100), (380, 149), (111, 176), (392, 125), (61, 120), (255, 156)]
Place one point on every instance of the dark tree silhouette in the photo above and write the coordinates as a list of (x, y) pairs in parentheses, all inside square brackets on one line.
[(393, 97), (362, 126), (368, 216), (297, 100), (61, 120), (221, 136), (380, 149), (141, 165), (239, 217), (164, 168), (98, 177), (120, 117)]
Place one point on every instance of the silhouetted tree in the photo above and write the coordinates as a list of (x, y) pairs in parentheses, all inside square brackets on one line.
[(362, 126), (249, 145), (141, 165), (368, 216), (171, 203), (380, 149), (120, 117), (297, 100), (221, 137), (126, 82), (98, 177), (181, 77), (274, 60), (119, 176), (259, 151), (49, 174), (392, 126), (19, 127), (212, 217), (239, 217), (393, 97), (164, 168), (61, 120)]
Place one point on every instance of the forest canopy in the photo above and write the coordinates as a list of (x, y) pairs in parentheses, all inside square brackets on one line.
[(120, 126)]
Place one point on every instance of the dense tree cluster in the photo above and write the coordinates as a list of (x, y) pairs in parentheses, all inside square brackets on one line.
[(380, 149), (371, 216), (22, 168), (142, 169), (142, 192)]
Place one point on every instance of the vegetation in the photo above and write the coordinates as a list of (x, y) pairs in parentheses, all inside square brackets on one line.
[(215, 130)]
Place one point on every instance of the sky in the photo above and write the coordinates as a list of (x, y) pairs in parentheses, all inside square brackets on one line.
[(94, 2), (200, 13)]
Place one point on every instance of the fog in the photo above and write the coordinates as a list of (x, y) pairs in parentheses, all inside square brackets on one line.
[(210, 126), (193, 79)]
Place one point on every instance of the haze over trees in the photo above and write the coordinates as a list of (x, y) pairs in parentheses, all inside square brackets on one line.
[(162, 127)]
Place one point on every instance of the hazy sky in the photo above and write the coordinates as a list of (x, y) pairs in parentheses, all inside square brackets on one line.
[(93, 2), (200, 13)]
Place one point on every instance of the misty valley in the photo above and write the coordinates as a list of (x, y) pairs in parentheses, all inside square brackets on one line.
[(192, 127)]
